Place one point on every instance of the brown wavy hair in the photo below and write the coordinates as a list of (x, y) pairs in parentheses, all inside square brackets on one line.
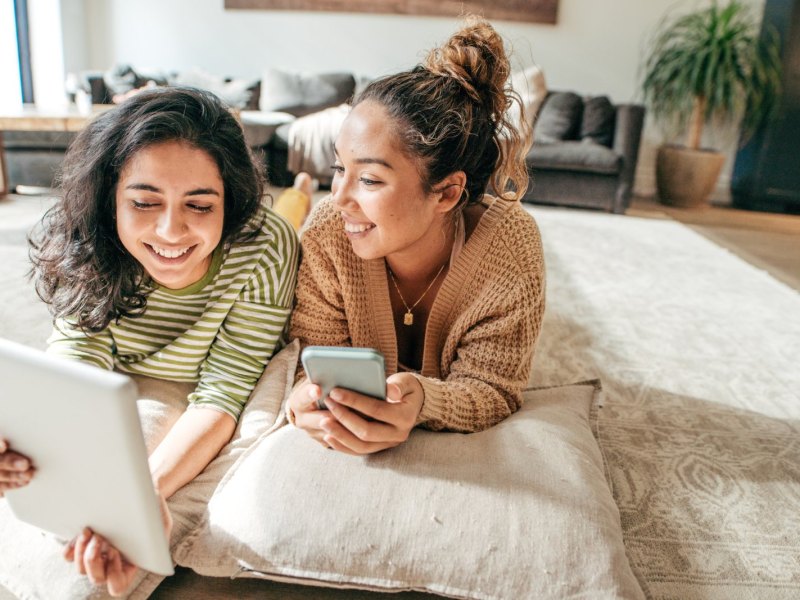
[(80, 267), (450, 114)]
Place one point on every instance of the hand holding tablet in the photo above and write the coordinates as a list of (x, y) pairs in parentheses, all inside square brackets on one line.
[(101, 562), (16, 470), (78, 428)]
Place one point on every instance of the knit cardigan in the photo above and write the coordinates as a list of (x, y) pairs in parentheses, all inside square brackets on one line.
[(482, 327)]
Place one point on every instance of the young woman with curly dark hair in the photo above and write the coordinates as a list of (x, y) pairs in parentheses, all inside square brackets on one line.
[(161, 259)]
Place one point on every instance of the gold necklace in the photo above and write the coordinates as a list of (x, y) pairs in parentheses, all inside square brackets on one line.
[(408, 318)]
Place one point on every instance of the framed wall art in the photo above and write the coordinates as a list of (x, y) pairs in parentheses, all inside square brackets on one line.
[(533, 11)]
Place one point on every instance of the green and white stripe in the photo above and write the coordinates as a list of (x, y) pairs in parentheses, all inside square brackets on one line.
[(219, 332)]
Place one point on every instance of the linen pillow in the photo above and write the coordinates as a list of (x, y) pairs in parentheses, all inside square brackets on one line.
[(301, 94), (30, 560), (597, 124), (532, 89), (559, 118), (235, 93), (521, 510)]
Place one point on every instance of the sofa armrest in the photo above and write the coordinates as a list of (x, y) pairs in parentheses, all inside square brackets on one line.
[(627, 137)]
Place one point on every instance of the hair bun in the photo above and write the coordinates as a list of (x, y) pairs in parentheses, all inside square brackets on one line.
[(476, 58)]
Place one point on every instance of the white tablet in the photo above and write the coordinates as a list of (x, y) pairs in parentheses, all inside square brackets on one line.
[(80, 427)]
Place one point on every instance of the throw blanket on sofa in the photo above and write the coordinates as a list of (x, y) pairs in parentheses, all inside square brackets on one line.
[(311, 141)]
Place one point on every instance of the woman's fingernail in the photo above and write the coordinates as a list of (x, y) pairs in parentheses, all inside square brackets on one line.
[(21, 464), (335, 395), (313, 393)]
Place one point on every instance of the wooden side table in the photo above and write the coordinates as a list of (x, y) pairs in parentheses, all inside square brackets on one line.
[(29, 117)]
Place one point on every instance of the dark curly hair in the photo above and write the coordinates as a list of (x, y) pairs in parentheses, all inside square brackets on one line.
[(80, 267), (450, 114)]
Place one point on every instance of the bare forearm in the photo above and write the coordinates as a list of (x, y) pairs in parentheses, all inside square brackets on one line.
[(192, 443)]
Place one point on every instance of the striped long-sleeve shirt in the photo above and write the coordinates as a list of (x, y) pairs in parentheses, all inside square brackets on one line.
[(219, 332)]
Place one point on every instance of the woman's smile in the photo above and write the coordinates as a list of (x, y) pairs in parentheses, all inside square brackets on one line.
[(170, 255), (354, 229)]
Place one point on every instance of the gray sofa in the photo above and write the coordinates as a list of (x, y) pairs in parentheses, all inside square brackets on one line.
[(584, 153)]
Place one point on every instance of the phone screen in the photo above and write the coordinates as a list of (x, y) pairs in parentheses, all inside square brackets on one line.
[(361, 370)]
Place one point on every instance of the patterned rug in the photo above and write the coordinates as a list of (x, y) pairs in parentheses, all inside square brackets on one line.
[(699, 356)]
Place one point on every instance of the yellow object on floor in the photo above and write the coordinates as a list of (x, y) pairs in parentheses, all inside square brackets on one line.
[(293, 205)]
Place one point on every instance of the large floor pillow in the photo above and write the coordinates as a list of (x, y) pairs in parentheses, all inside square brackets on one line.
[(31, 566), (522, 510)]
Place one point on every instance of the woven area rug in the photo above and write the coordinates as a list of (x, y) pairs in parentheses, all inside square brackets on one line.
[(699, 356)]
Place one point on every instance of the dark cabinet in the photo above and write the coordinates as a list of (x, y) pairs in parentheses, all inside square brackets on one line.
[(766, 174)]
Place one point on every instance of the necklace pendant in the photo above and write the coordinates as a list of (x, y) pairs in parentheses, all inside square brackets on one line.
[(408, 319)]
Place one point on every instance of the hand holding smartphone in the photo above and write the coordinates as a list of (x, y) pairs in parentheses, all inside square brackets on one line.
[(361, 370)]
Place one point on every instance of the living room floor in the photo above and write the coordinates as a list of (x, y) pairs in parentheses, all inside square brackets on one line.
[(769, 241)]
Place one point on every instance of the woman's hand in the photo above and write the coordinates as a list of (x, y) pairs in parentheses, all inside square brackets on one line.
[(358, 424), (16, 470), (96, 558), (305, 410)]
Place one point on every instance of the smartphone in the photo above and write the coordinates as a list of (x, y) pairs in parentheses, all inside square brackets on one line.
[(359, 369)]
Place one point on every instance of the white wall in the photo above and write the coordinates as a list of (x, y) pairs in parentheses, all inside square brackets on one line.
[(595, 48), (75, 35), (591, 49)]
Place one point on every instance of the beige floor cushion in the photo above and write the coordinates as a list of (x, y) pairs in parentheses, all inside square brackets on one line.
[(522, 510)]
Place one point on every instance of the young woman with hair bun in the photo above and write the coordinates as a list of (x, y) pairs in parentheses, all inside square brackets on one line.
[(423, 251)]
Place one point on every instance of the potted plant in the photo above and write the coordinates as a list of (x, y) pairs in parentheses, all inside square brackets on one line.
[(709, 65)]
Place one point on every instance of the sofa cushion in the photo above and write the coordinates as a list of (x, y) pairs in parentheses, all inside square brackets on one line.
[(521, 510), (559, 117), (584, 156), (255, 96), (235, 93), (598, 120), (302, 94)]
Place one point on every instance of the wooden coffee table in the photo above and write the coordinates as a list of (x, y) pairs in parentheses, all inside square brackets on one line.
[(33, 118)]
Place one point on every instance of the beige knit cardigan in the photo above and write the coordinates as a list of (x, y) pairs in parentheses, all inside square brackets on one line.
[(482, 327)]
